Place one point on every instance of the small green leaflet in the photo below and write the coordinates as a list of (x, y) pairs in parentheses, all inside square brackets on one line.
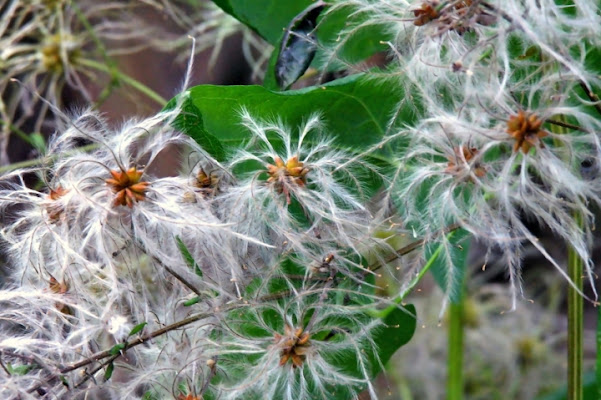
[(19, 369), (192, 301), (116, 349), (188, 256), (137, 328), (109, 371)]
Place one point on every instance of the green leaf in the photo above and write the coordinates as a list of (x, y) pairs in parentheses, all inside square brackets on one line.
[(38, 142), (192, 301), (190, 120), (356, 109), (268, 18), (188, 257), (367, 38), (116, 349), (137, 328), (19, 369), (458, 249), (109, 371), (149, 395), (400, 327)]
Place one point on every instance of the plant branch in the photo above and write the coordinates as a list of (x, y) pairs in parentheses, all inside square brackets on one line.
[(592, 96), (97, 357), (566, 125), (412, 246), (399, 299), (42, 160), (139, 86), (4, 366), (95, 370), (322, 296)]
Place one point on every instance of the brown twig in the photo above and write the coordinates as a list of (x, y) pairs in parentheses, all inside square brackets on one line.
[(592, 96), (132, 343), (410, 247), (494, 9), (322, 296), (182, 280), (4, 366), (90, 375), (566, 125), (172, 272)]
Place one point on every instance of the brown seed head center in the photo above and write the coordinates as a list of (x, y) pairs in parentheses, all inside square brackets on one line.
[(283, 174), (464, 154), (127, 187), (295, 345), (55, 209), (525, 129), (188, 397), (458, 15), (424, 14)]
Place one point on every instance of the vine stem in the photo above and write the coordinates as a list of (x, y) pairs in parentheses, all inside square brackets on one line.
[(598, 366), (43, 160), (399, 299), (575, 323), (575, 305), (139, 86), (455, 345)]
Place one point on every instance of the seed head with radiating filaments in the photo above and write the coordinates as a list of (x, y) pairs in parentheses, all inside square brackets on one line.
[(297, 184)]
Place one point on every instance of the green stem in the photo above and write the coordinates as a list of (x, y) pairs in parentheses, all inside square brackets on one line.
[(598, 368), (43, 160), (28, 138), (575, 304), (575, 322), (455, 345), (399, 299), (139, 86)]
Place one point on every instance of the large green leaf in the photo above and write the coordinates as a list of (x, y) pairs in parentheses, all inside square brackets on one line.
[(398, 330), (356, 109), (268, 18), (190, 121)]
